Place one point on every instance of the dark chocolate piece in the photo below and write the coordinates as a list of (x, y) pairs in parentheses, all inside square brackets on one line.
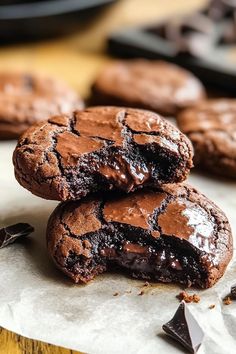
[(11, 233), (193, 35), (184, 328), (171, 235), (202, 42), (101, 148), (233, 291)]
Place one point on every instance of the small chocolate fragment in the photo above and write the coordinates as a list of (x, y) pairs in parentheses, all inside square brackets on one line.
[(184, 328), (141, 293), (11, 233), (227, 300), (212, 306), (233, 291)]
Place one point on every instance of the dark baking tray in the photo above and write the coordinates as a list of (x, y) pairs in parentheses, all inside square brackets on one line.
[(27, 20), (215, 69)]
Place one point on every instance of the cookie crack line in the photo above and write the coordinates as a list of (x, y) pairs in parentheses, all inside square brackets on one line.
[(82, 163), (117, 236)]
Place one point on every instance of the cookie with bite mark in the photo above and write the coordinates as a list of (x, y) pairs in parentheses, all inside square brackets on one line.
[(173, 234)]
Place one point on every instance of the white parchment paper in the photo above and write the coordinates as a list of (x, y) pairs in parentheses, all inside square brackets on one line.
[(39, 302)]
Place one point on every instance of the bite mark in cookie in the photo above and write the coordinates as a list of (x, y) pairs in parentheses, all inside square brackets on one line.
[(140, 234), (101, 148)]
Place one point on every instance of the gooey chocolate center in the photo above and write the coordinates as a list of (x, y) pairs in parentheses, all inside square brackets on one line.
[(155, 236)]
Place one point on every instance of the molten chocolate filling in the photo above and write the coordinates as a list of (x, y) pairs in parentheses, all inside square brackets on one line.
[(164, 258), (150, 234)]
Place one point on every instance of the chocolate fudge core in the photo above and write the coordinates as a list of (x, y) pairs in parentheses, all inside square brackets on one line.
[(101, 148), (173, 234)]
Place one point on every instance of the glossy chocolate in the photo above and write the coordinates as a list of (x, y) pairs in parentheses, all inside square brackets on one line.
[(173, 234), (184, 328), (134, 209), (11, 233), (100, 148)]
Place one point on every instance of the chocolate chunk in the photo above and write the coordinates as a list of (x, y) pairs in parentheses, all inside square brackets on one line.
[(184, 328), (219, 10), (233, 291), (192, 34), (173, 234), (11, 233), (101, 148)]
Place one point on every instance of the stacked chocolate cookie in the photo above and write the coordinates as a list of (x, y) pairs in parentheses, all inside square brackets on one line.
[(119, 173)]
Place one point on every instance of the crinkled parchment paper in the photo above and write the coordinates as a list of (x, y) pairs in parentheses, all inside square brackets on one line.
[(39, 302)]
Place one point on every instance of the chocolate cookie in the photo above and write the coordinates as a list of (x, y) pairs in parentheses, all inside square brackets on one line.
[(26, 99), (171, 235), (100, 148), (211, 126), (156, 85)]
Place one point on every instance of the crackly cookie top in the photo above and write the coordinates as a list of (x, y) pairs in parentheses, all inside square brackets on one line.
[(120, 144), (177, 211)]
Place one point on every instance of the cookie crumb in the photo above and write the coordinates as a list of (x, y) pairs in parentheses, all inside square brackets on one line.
[(212, 306), (141, 293), (183, 295), (196, 298), (146, 283), (227, 300), (115, 294)]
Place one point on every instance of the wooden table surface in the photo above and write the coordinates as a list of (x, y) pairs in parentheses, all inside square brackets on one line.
[(77, 59)]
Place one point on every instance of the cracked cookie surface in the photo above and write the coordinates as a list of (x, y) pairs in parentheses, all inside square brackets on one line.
[(211, 126), (26, 99), (100, 148), (156, 85), (174, 234)]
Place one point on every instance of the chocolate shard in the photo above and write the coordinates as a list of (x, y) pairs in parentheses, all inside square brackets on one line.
[(184, 328), (11, 233), (233, 291)]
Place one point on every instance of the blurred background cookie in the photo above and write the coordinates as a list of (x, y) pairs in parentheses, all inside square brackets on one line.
[(28, 98), (211, 126), (156, 85)]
